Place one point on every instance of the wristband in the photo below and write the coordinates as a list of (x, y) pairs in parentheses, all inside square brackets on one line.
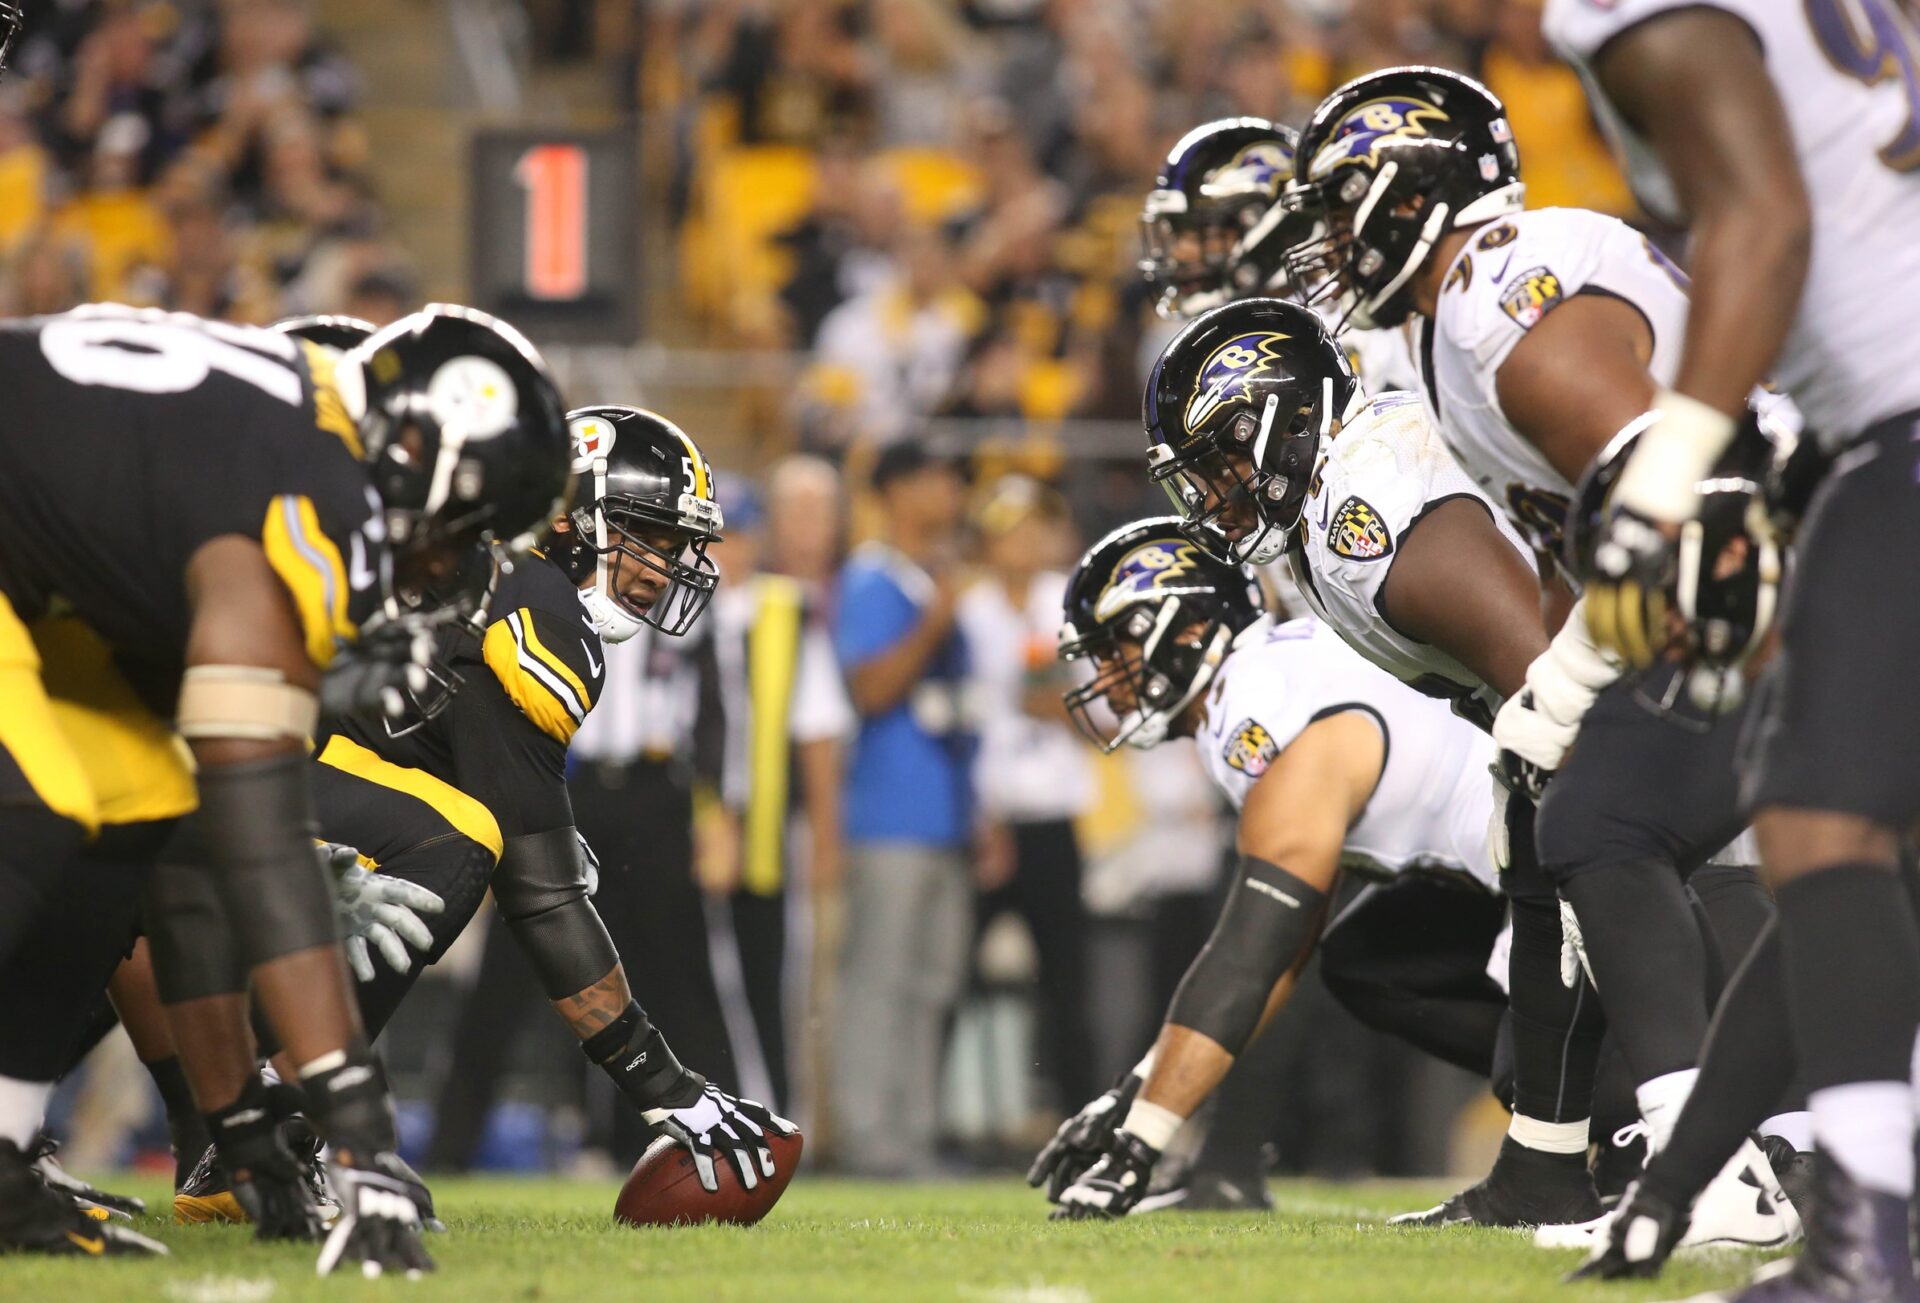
[(1674, 455), (1153, 1124), (632, 1052)]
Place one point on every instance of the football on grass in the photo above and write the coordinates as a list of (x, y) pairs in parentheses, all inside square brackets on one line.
[(664, 1188)]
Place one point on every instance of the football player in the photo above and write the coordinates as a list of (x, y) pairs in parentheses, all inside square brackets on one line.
[(469, 793), (1332, 765), (1215, 228), (214, 512), (1790, 145), (1541, 336)]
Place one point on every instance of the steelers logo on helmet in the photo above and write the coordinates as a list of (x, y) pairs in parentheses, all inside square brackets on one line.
[(1228, 371), (1146, 569), (1368, 128), (474, 396), (593, 438)]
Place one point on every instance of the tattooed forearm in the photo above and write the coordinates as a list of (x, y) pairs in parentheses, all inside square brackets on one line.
[(598, 1005)]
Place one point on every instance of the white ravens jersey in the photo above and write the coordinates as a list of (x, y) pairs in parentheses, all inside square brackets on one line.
[(1510, 275), (1848, 72), (1387, 468), (1383, 359), (1430, 808)]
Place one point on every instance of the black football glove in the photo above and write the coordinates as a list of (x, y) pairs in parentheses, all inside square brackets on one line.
[(375, 675), (715, 1121), (1112, 1186), (379, 1222), (267, 1180), (1082, 1139), (1635, 563)]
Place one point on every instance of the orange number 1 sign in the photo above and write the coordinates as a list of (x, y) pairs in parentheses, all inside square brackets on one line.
[(555, 179)]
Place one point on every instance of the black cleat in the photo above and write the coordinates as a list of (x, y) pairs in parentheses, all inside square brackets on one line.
[(1619, 1163), (42, 1155), (1638, 1238), (1793, 1168), (37, 1219), (1208, 1192), (1856, 1251), (1525, 1188)]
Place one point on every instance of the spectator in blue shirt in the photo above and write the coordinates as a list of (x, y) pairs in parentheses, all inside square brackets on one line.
[(909, 818)]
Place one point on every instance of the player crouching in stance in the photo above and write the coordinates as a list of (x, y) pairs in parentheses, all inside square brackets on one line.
[(469, 791), (1332, 765)]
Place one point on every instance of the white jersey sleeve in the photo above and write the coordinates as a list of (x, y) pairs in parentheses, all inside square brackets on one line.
[(1429, 809), (1507, 279), (1848, 72), (1387, 468)]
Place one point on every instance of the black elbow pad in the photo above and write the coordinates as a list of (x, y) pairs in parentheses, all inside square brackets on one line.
[(540, 888), (1269, 920)]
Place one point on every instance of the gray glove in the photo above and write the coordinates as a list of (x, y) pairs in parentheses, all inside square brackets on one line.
[(378, 912), (589, 863)]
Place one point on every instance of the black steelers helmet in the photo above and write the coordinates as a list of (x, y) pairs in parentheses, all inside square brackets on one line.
[(1388, 164), (642, 491), (1235, 411), (1724, 583), (1130, 605), (335, 330), (11, 22), (464, 432), (1213, 228)]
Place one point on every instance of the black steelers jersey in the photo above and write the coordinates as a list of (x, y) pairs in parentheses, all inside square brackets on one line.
[(525, 688), (128, 439)]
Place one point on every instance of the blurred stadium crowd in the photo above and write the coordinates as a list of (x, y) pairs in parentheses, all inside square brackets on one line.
[(196, 155), (910, 887)]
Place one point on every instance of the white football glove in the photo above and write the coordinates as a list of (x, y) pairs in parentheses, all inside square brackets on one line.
[(1573, 949), (378, 912), (1539, 722)]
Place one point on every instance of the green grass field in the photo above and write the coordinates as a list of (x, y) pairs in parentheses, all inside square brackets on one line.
[(977, 1242)]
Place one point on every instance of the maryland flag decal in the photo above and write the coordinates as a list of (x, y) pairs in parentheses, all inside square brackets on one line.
[(1358, 533), (1251, 749)]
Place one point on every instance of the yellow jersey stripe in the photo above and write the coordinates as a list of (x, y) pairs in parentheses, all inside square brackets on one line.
[(538, 650), (541, 696), (702, 484), (329, 410), (467, 816), (310, 566), (773, 653)]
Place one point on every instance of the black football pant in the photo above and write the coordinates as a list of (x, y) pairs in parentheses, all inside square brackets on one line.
[(1641, 802)]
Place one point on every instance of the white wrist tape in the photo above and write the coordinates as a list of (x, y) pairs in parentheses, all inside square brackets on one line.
[(1152, 1123), (1571, 672), (1673, 456)]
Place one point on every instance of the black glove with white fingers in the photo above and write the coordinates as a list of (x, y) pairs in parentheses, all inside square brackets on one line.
[(715, 1122), (1082, 1139), (1112, 1186), (379, 1223)]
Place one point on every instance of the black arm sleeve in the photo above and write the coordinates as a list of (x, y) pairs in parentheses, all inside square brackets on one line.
[(1269, 920)]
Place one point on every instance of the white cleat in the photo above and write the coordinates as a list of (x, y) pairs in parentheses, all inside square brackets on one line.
[(1743, 1207)]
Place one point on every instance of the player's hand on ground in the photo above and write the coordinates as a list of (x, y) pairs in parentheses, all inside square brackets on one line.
[(378, 912), (1082, 1139), (1112, 1186), (379, 1224), (267, 1180), (717, 1123)]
